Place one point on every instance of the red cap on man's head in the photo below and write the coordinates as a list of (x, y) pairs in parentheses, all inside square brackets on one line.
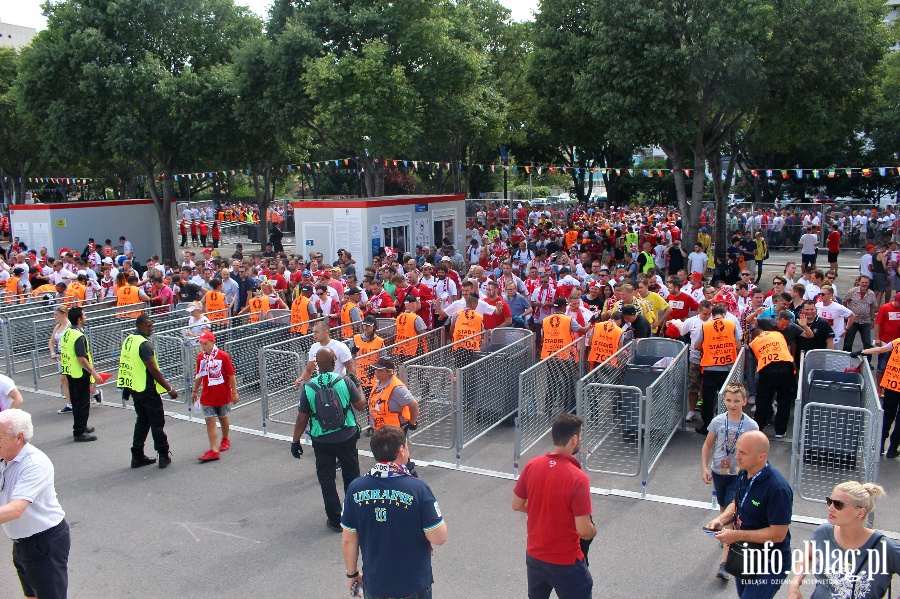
[(207, 336)]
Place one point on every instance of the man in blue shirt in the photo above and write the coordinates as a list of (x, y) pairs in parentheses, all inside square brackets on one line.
[(761, 513), (393, 519), (519, 306)]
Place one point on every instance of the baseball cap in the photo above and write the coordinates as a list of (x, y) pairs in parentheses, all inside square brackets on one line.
[(306, 273), (897, 297), (696, 276), (410, 299), (107, 260), (870, 247), (629, 311), (206, 251), (418, 247), (306, 288), (446, 259), (82, 272), (560, 302), (193, 306), (383, 364), (319, 273), (207, 336), (354, 291), (370, 320)]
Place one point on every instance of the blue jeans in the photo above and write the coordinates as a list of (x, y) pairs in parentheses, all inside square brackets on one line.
[(759, 586), (569, 582)]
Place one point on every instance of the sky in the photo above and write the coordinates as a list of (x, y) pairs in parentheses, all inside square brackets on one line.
[(28, 12)]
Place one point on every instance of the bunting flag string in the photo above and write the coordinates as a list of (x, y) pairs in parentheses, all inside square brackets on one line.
[(355, 166)]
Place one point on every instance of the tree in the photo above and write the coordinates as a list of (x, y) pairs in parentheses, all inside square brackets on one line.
[(145, 80), (19, 144), (699, 77)]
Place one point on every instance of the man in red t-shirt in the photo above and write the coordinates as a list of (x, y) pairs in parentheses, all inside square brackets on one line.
[(504, 318), (681, 303), (834, 248), (216, 373), (556, 495)]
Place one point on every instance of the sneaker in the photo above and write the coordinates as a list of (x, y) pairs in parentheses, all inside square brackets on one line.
[(89, 430), (722, 573), (85, 438), (65, 410), (752, 402), (333, 527), (98, 396), (701, 430), (225, 445), (779, 436), (209, 456), (892, 453), (165, 458), (142, 460), (691, 416)]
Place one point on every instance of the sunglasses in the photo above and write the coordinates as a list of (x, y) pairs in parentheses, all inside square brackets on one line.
[(838, 504), (745, 274)]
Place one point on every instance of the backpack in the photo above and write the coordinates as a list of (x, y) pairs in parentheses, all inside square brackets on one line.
[(327, 406)]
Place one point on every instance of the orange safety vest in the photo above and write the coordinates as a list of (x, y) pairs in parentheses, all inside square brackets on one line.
[(259, 306), (300, 315), (557, 334), (891, 377), (12, 289), (406, 329), (379, 406), (468, 323), (366, 358), (347, 328), (127, 295), (770, 347), (719, 347), (571, 238), (48, 288), (605, 341), (75, 294), (215, 305)]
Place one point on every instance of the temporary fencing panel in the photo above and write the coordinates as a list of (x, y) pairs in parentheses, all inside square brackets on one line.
[(632, 405), (736, 375), (488, 386), (837, 424), (608, 409), (432, 380), (546, 390), (279, 396), (170, 352)]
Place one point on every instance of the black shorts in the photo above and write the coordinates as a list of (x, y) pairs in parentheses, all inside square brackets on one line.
[(832, 257)]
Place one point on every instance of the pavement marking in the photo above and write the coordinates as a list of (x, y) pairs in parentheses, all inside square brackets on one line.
[(704, 505), (191, 526)]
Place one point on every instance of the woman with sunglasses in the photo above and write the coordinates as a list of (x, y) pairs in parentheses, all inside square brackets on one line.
[(859, 561)]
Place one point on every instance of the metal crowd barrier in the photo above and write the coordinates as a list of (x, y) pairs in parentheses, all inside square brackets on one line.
[(837, 424), (736, 375), (546, 390), (245, 352), (282, 363), (632, 407)]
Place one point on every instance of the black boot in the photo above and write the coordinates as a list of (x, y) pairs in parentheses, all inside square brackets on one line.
[(138, 459), (165, 457)]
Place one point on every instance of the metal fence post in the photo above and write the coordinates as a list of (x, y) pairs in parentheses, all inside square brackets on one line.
[(458, 398)]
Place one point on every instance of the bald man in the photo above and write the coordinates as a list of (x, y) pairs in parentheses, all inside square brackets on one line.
[(334, 440), (761, 513)]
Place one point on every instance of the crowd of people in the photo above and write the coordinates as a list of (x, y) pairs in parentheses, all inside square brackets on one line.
[(608, 276)]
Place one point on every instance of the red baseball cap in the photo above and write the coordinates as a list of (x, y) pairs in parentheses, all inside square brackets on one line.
[(207, 336)]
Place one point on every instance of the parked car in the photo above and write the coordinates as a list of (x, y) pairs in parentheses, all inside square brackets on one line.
[(823, 199)]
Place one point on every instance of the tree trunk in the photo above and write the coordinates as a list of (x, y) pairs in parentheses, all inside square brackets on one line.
[(165, 217)]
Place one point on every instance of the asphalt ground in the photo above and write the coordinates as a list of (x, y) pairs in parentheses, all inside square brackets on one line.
[(253, 522)]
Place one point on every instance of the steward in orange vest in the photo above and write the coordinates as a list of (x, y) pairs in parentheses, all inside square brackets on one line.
[(466, 328), (559, 331), (605, 342), (300, 311), (390, 402), (409, 325), (128, 295), (214, 302), (365, 348), (718, 348), (350, 313)]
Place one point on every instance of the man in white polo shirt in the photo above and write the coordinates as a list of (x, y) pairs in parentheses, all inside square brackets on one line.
[(30, 514), (344, 362)]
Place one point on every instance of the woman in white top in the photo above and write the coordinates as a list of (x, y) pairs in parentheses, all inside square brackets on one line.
[(61, 314), (9, 396), (197, 323)]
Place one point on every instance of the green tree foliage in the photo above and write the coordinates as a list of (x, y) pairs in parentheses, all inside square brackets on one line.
[(145, 79), (19, 139)]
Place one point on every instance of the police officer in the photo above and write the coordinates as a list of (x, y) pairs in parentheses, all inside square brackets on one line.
[(78, 367), (137, 365), (336, 444)]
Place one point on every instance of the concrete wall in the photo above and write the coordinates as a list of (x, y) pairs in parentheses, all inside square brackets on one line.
[(70, 225), (15, 36)]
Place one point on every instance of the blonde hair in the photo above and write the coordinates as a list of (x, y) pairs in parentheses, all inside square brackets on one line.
[(862, 494), (735, 388)]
